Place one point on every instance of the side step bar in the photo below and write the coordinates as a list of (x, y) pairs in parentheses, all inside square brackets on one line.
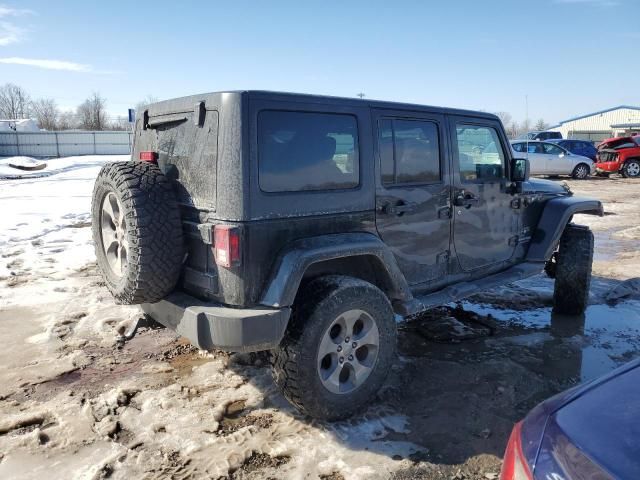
[(466, 289)]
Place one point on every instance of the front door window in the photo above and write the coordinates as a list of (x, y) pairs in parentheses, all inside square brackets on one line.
[(480, 154)]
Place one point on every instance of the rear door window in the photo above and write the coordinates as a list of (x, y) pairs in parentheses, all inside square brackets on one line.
[(300, 151), (409, 152), (551, 149)]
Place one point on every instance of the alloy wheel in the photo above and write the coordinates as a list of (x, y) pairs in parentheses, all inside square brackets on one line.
[(348, 351), (113, 229)]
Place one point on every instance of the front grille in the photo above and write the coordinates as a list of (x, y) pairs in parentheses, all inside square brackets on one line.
[(607, 156)]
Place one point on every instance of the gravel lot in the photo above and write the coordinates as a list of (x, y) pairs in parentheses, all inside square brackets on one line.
[(75, 404)]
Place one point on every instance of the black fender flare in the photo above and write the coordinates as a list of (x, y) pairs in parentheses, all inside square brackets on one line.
[(294, 260), (555, 216)]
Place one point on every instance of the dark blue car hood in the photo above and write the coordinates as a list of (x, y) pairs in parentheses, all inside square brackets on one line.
[(591, 429)]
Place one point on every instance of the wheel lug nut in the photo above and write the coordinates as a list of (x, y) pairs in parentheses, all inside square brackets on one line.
[(346, 340), (341, 360), (350, 357), (354, 344), (339, 348)]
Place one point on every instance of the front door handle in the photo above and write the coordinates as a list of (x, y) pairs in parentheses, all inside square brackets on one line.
[(400, 209), (465, 199)]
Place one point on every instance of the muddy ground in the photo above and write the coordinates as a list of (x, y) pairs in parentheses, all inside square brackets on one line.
[(74, 403)]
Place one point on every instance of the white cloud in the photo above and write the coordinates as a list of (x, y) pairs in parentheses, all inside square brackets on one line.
[(9, 33), (48, 64), (13, 12)]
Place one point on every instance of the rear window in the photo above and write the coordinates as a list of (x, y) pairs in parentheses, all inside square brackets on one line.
[(188, 153), (300, 151)]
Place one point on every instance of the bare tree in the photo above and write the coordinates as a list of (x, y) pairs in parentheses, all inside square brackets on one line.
[(120, 123), (46, 113), (14, 102), (541, 125), (67, 121), (525, 126), (142, 104), (505, 117), (92, 113)]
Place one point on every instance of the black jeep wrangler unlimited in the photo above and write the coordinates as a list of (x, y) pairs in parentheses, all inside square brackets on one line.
[(305, 224)]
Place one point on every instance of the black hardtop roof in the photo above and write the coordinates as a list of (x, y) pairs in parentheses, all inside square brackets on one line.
[(177, 104)]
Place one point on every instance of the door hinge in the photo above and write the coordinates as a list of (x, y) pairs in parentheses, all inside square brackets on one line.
[(516, 203), (443, 257)]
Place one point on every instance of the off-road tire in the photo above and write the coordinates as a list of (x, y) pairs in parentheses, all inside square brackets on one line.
[(573, 270), (295, 364), (153, 230), (627, 168), (581, 171)]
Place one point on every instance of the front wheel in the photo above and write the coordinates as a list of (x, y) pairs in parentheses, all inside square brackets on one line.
[(573, 270), (338, 348), (581, 171), (631, 169)]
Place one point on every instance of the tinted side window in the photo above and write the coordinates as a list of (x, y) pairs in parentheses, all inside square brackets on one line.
[(409, 152), (307, 151), (519, 147), (480, 154), (552, 149)]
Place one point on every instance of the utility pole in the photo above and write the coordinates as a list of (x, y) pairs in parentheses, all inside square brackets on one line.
[(361, 95)]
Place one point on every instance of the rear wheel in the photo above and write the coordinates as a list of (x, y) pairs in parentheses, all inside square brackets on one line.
[(338, 348), (631, 169), (573, 270), (581, 171)]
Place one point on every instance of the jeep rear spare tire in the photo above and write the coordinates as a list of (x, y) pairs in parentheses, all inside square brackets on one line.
[(573, 270), (137, 232), (338, 349)]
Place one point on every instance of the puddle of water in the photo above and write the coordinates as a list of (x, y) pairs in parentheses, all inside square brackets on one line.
[(607, 247), (572, 347)]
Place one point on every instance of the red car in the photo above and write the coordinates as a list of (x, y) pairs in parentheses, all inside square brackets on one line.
[(619, 155)]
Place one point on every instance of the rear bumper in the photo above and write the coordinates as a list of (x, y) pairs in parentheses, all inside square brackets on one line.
[(211, 326)]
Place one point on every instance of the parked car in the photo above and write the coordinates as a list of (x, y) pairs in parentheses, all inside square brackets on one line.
[(548, 158), (619, 155), (540, 135), (584, 148), (590, 431), (303, 224)]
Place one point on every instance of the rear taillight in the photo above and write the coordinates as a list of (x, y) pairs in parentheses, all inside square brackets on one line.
[(514, 466), (226, 245), (148, 156)]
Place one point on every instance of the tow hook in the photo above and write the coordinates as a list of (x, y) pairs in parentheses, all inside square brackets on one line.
[(125, 334)]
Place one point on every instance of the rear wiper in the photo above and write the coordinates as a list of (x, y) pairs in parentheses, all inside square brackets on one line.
[(155, 122)]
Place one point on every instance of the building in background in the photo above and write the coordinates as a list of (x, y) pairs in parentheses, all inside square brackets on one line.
[(22, 125), (612, 122)]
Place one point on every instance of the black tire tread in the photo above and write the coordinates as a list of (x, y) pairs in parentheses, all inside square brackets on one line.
[(573, 270), (153, 227), (624, 170), (288, 361), (574, 174)]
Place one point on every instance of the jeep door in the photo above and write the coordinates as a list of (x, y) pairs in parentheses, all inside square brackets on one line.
[(413, 193), (484, 222)]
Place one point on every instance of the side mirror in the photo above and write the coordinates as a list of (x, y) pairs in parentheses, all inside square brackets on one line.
[(519, 173)]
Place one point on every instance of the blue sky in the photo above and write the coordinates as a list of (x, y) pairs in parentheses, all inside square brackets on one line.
[(568, 56)]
